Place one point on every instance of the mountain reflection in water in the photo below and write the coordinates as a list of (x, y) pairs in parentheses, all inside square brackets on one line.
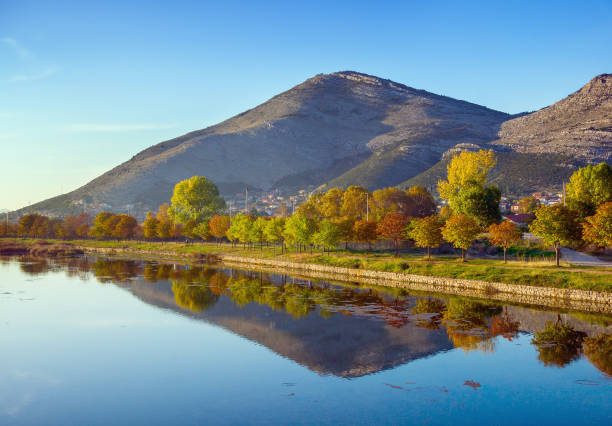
[(345, 330)]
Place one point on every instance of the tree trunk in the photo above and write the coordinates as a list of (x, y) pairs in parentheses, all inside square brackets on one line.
[(396, 248), (462, 255), (428, 253), (505, 257), (557, 253)]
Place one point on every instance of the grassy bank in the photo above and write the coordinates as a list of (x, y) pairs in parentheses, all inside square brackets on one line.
[(542, 273)]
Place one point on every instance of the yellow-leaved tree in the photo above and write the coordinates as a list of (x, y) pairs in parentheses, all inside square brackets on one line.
[(466, 168)]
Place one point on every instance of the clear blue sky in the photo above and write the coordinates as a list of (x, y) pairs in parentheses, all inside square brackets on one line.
[(85, 86)]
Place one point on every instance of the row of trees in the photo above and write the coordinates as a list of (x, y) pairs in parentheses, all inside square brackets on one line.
[(358, 215)]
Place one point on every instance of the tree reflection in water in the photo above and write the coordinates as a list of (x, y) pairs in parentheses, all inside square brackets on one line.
[(558, 344), (470, 324), (599, 351)]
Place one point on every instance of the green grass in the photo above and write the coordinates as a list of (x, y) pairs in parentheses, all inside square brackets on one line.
[(540, 273)]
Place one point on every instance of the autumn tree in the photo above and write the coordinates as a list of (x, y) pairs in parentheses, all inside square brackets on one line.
[(125, 227), (149, 226), (311, 207), (388, 200), (393, 227), (354, 201), (165, 228), (99, 228), (597, 229), (557, 226), (364, 231), (218, 226), (331, 203), (528, 204), (461, 231), (465, 190), (504, 235), (196, 198), (345, 227), (327, 236), (589, 187), (426, 232), (420, 202)]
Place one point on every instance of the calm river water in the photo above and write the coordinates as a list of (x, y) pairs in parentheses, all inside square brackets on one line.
[(94, 341)]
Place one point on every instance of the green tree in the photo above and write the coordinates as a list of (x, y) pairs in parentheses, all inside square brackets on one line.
[(196, 198), (327, 236), (240, 229), (274, 231), (557, 226), (460, 230), (589, 187), (478, 202), (258, 231), (504, 235), (426, 232), (597, 229), (202, 231), (299, 231)]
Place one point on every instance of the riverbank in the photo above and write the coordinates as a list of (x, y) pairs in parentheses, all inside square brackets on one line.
[(535, 280)]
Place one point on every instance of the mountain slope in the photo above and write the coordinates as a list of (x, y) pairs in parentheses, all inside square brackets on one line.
[(541, 150), (308, 135), (348, 128)]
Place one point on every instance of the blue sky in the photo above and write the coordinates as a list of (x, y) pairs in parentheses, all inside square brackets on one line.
[(85, 86)]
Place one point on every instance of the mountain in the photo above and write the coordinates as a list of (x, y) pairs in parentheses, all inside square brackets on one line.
[(541, 150), (349, 128)]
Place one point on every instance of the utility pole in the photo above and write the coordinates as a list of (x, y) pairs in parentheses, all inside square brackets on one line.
[(563, 193)]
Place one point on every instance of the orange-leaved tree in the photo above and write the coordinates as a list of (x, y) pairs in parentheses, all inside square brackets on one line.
[(393, 228), (218, 226), (504, 235), (364, 231)]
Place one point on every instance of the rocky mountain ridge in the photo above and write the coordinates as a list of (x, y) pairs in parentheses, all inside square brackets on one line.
[(349, 128)]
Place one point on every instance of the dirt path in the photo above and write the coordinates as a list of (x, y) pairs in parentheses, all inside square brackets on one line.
[(577, 258)]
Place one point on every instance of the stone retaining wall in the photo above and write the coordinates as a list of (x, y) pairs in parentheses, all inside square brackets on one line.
[(592, 301)]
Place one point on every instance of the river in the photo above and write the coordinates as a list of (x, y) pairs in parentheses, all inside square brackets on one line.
[(115, 341)]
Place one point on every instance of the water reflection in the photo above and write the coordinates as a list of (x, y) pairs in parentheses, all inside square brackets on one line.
[(344, 330)]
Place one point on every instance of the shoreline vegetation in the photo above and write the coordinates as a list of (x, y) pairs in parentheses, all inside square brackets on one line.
[(312, 236), (519, 272)]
